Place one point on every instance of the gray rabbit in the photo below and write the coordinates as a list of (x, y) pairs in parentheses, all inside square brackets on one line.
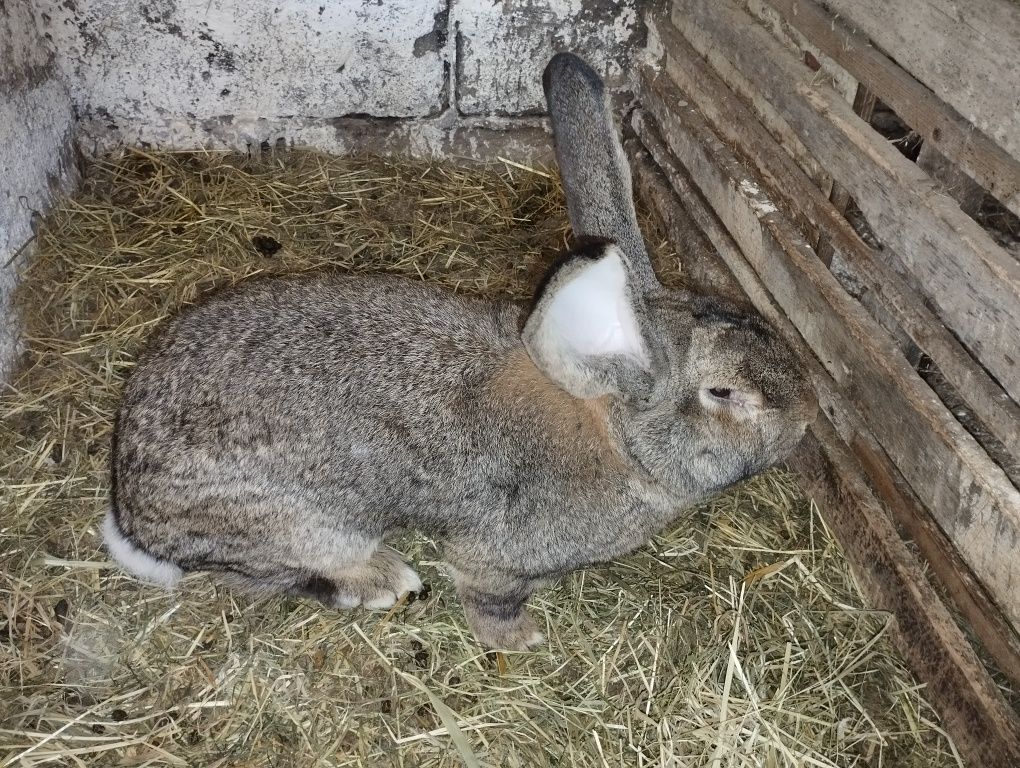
[(277, 432)]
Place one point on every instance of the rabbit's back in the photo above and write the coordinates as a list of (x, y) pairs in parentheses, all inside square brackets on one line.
[(323, 336)]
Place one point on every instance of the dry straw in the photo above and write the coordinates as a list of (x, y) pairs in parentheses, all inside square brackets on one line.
[(736, 639)]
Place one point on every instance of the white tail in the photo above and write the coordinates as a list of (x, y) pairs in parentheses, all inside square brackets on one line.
[(136, 562)]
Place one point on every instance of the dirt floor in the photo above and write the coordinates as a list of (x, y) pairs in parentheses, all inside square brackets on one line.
[(738, 638)]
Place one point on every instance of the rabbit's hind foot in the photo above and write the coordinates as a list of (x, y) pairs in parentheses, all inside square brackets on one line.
[(497, 616), (515, 633), (376, 583)]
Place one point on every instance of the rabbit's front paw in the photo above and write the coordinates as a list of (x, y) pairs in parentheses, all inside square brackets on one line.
[(376, 583)]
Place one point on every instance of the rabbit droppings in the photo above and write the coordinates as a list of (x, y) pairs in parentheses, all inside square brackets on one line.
[(278, 431)]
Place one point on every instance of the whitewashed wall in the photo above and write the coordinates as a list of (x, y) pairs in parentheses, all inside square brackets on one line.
[(36, 156), (445, 76)]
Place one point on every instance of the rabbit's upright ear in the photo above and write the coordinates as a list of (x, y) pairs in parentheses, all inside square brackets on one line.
[(588, 329), (593, 165)]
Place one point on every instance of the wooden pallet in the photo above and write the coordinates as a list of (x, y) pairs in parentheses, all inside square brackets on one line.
[(755, 126)]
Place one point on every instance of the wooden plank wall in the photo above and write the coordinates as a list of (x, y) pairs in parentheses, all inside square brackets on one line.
[(765, 154), (966, 53), (942, 127), (945, 255)]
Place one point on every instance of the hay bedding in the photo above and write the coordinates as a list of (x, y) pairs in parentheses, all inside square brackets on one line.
[(737, 639)]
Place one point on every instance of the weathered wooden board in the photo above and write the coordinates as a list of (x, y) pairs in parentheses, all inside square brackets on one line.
[(970, 496), (844, 83), (971, 599), (768, 114), (805, 203), (942, 127), (973, 283), (924, 633), (984, 727), (965, 52)]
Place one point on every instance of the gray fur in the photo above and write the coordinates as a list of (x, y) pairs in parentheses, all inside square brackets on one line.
[(279, 431)]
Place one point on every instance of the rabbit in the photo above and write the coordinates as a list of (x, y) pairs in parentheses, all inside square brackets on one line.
[(277, 432)]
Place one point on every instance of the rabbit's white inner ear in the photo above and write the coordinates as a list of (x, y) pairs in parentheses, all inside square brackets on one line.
[(592, 314)]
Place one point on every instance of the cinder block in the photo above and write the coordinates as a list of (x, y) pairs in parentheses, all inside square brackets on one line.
[(504, 46), (153, 61)]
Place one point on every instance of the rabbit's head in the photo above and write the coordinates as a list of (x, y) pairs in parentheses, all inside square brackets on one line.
[(704, 393), (701, 392)]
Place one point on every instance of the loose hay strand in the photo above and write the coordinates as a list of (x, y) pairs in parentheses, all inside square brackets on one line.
[(738, 638)]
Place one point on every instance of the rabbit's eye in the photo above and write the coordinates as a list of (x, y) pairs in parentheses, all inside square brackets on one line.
[(736, 402)]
